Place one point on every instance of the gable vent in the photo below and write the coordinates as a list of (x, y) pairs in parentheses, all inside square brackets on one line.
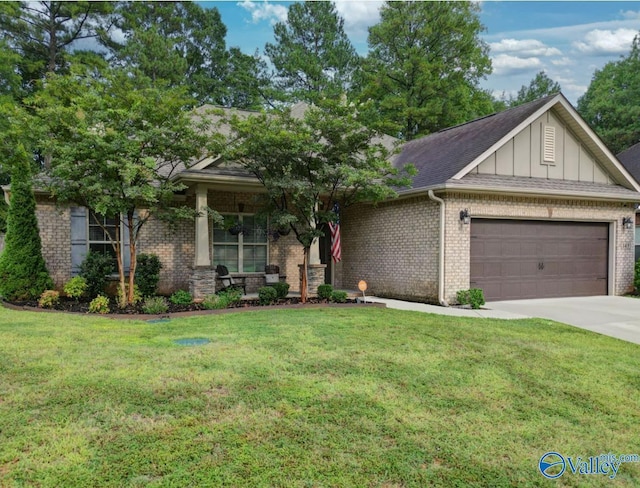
[(549, 144)]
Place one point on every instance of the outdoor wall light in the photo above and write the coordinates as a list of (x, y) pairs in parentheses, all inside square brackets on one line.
[(627, 222), (464, 216)]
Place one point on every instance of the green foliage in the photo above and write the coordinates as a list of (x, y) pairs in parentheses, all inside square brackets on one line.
[(155, 305), (636, 276), (214, 302), (267, 295), (231, 295), (42, 37), (148, 273), (23, 272), (611, 104), (473, 297), (540, 86), (312, 55), (223, 299), (424, 66), (338, 296), (95, 269), (99, 304), (145, 133), (282, 289), (49, 299), (76, 287), (181, 297), (137, 296), (306, 164), (324, 291)]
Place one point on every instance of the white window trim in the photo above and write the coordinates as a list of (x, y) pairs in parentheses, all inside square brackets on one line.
[(90, 219)]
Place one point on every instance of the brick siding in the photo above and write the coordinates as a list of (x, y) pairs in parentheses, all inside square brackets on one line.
[(393, 247)]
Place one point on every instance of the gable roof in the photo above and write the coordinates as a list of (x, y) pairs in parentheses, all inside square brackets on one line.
[(630, 159), (447, 156)]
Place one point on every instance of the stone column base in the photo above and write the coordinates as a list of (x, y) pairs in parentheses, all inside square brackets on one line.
[(202, 281), (315, 277)]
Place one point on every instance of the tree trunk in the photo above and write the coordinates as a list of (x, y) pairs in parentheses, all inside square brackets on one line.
[(123, 288), (303, 285), (132, 259)]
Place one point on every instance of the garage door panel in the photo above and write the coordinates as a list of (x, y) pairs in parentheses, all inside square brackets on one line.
[(512, 259)]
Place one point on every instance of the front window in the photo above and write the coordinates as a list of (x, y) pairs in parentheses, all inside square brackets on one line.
[(245, 252), (100, 227)]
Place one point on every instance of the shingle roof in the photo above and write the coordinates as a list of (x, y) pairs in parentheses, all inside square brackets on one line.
[(630, 159), (441, 155)]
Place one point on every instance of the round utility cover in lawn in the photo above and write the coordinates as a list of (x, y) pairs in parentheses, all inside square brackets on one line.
[(192, 341)]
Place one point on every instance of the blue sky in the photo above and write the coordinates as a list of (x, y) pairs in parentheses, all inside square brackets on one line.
[(568, 40)]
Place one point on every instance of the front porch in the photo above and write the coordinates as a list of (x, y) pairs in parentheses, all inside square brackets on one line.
[(244, 255)]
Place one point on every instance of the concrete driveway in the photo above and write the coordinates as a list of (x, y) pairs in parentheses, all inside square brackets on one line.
[(613, 316)]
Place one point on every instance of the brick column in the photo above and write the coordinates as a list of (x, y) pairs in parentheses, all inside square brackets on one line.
[(202, 281), (315, 277)]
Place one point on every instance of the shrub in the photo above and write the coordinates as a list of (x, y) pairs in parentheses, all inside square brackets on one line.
[(181, 297), (267, 295), (324, 292), (95, 269), (23, 273), (231, 295), (473, 297), (76, 287), (213, 302), (137, 296), (282, 289), (338, 296), (636, 277), (148, 273), (49, 299), (155, 305), (99, 304)]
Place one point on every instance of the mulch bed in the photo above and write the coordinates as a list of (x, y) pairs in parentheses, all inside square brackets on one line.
[(67, 305)]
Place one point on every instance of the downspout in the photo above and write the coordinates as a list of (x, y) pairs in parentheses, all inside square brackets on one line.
[(441, 299)]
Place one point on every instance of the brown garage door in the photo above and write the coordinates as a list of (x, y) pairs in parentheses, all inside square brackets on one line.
[(513, 259)]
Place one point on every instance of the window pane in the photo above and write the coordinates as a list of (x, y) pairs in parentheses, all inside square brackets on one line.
[(254, 258), (96, 233), (256, 229), (221, 235), (227, 256), (106, 249)]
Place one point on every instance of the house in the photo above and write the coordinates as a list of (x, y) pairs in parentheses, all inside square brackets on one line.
[(630, 159), (524, 203)]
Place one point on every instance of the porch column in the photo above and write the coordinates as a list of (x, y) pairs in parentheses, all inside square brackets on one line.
[(203, 256)]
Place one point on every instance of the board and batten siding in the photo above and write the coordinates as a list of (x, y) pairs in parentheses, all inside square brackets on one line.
[(522, 155)]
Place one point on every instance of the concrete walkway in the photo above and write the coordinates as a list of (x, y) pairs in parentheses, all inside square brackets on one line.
[(456, 312), (612, 316)]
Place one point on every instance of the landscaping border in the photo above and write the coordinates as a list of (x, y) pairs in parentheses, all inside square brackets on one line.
[(144, 317)]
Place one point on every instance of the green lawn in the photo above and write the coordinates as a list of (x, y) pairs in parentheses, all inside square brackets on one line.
[(310, 398)]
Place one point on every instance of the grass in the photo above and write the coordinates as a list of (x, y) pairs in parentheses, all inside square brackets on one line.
[(309, 398)]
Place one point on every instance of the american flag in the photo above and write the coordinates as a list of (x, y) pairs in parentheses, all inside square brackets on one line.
[(336, 248)]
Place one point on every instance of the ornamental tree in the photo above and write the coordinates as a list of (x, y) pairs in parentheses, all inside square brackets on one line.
[(115, 142), (23, 273), (307, 163)]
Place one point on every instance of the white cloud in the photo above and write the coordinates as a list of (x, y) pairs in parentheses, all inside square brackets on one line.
[(563, 62), (264, 11), (524, 47), (606, 42), (630, 14), (358, 16), (506, 64)]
